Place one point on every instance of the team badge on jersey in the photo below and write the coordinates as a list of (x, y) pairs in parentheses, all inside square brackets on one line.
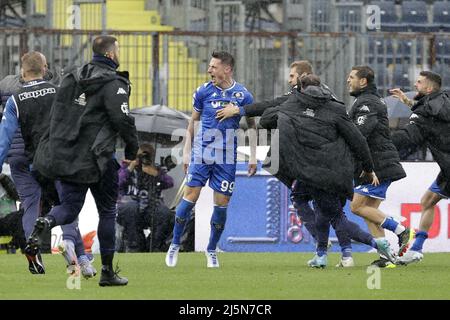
[(238, 95)]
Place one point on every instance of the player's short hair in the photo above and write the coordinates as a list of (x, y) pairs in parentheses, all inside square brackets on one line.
[(365, 72), (103, 44), (434, 78), (33, 63), (302, 66), (309, 80), (225, 57)]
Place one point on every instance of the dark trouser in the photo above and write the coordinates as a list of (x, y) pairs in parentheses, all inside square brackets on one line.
[(330, 211), (105, 194), (133, 236), (300, 197), (72, 232), (134, 221), (30, 193), (161, 222)]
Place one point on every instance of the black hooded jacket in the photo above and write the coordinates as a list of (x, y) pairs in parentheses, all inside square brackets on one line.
[(430, 125), (256, 109), (369, 114), (89, 112), (316, 142)]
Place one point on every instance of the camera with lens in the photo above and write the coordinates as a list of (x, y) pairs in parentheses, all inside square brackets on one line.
[(167, 162)]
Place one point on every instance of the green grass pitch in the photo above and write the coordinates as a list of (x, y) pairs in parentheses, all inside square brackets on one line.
[(266, 276)]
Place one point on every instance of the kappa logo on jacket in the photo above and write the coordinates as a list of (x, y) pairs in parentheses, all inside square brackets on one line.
[(365, 108), (37, 93), (81, 100), (121, 91), (309, 112)]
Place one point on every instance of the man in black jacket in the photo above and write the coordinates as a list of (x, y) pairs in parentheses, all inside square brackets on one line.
[(316, 140), (428, 125), (26, 118), (90, 110), (369, 114)]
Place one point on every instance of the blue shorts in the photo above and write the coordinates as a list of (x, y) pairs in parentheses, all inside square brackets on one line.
[(435, 188), (221, 176), (369, 190)]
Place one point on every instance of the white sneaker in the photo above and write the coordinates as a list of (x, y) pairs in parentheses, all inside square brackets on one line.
[(172, 255), (410, 256), (67, 249), (346, 262), (211, 259), (86, 267)]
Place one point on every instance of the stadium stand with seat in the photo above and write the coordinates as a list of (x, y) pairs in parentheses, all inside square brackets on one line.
[(380, 50), (415, 16), (349, 17), (442, 50), (131, 15), (381, 76), (389, 18), (320, 16), (441, 15), (405, 49), (401, 78)]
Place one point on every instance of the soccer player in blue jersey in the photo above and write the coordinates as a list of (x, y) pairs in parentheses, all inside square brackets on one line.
[(214, 152)]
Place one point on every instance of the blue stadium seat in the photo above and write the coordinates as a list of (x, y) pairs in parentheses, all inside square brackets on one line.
[(349, 17), (381, 76), (414, 15), (400, 78), (320, 16), (441, 15), (389, 18), (381, 49), (442, 49), (405, 47)]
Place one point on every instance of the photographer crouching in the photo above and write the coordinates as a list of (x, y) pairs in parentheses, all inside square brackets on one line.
[(140, 204)]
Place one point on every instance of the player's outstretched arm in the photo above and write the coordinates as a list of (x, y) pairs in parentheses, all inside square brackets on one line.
[(402, 96)]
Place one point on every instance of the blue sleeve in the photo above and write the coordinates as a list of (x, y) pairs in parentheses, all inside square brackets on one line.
[(197, 99), (8, 128), (248, 98)]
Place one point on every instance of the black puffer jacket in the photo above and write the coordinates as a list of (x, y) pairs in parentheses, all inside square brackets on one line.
[(8, 86), (256, 109), (369, 114), (316, 142), (90, 110), (430, 125)]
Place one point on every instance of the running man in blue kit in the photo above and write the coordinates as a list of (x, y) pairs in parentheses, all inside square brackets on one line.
[(214, 153)]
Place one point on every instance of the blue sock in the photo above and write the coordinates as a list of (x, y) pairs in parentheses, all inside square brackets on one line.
[(421, 236), (218, 220), (389, 224), (181, 216), (321, 253), (373, 243), (346, 252)]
